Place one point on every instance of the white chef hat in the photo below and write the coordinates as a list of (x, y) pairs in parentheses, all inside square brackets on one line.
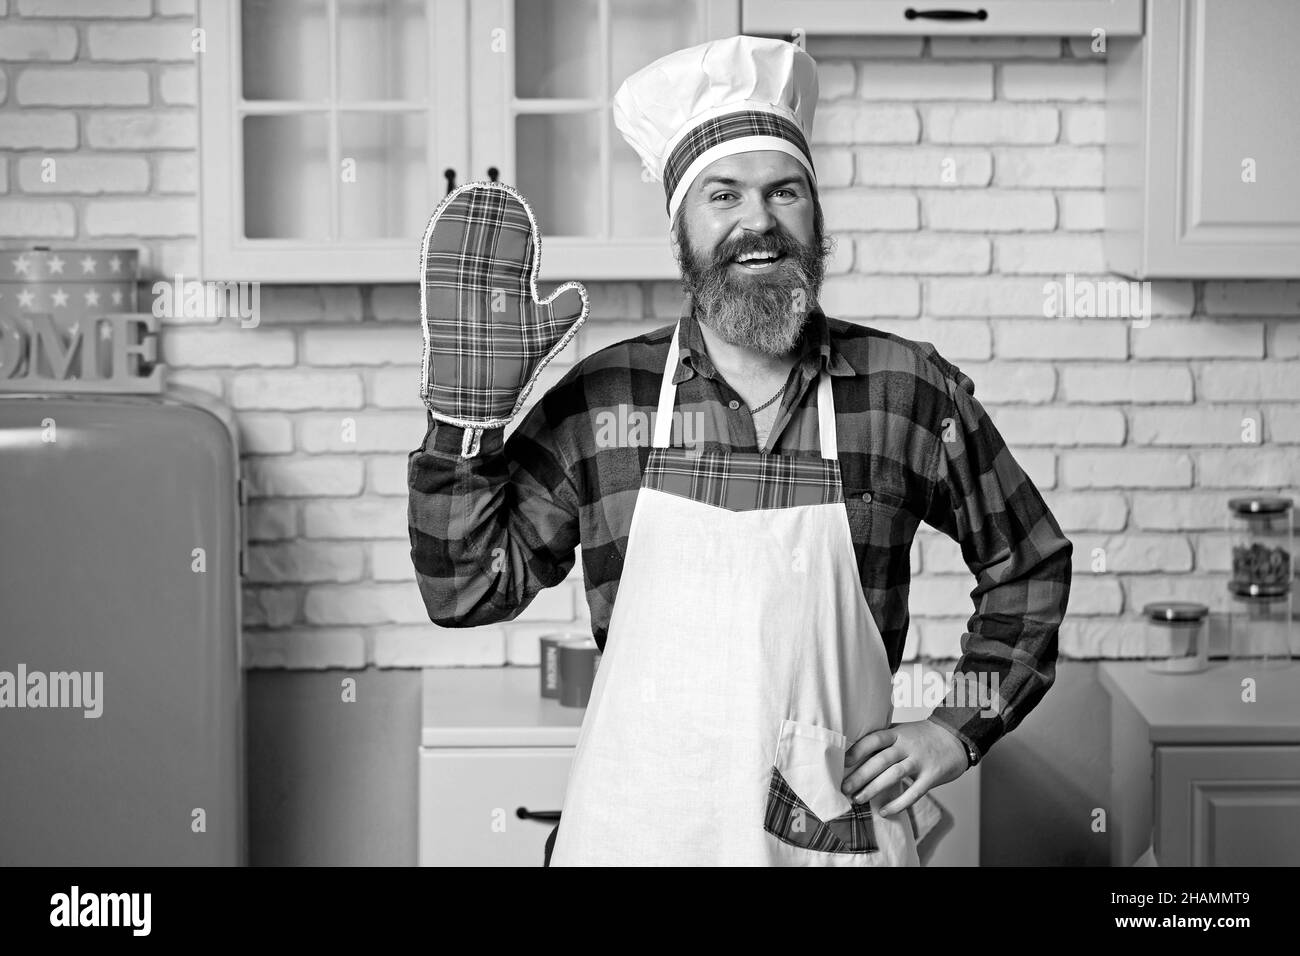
[(728, 96)]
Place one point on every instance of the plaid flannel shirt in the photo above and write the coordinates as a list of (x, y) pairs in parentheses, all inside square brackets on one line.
[(489, 532)]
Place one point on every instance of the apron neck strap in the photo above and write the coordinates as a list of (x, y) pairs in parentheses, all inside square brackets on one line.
[(668, 399)]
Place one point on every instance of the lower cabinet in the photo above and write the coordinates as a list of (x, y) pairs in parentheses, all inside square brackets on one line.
[(478, 806), (1227, 806), (1202, 773)]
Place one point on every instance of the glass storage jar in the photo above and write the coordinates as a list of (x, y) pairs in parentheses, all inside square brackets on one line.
[(1263, 567), (1177, 637)]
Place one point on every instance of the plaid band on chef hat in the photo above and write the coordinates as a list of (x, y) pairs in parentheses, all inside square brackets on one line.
[(729, 96)]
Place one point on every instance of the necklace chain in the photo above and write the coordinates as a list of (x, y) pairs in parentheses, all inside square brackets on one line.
[(759, 408)]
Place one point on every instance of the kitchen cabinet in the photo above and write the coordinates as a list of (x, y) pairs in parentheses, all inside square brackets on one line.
[(540, 112), (1201, 773), (491, 747), (1202, 140), (330, 129), (474, 797), (494, 762), (324, 127), (972, 18)]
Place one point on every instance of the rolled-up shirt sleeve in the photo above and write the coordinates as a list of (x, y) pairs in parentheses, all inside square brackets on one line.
[(1013, 545), (489, 532)]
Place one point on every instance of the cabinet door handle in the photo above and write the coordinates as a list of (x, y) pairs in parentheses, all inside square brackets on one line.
[(913, 14), (450, 175), (550, 816), (493, 173)]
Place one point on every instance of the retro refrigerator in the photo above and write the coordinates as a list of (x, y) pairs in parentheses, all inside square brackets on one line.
[(121, 542)]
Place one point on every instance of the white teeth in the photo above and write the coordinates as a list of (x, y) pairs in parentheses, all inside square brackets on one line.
[(746, 257)]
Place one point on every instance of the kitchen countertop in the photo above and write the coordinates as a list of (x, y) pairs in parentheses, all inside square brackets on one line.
[(1207, 707), (503, 706)]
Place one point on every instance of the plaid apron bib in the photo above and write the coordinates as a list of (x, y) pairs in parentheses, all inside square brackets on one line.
[(741, 661)]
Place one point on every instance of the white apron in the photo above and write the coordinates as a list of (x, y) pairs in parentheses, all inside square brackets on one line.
[(741, 661)]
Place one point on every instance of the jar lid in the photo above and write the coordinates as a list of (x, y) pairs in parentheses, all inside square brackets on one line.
[(1260, 590), (1260, 505), (1175, 611)]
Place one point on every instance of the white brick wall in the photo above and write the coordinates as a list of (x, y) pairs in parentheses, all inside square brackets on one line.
[(988, 210), (960, 175), (104, 89)]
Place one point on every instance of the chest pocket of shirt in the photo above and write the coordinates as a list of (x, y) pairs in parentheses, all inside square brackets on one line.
[(878, 520)]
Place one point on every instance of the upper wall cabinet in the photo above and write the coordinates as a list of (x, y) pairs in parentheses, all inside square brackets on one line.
[(332, 128), (324, 127), (943, 18), (1203, 143), (540, 111)]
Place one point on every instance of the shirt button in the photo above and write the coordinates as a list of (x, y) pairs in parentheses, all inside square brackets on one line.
[(866, 496), (733, 404)]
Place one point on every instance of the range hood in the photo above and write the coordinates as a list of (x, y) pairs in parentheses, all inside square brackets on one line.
[(821, 18)]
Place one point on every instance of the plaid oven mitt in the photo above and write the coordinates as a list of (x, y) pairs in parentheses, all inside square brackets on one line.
[(487, 336)]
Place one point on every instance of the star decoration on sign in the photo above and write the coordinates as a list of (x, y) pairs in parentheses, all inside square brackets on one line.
[(117, 296), (22, 265), (92, 297), (56, 265), (27, 299), (115, 264), (59, 298), (87, 265)]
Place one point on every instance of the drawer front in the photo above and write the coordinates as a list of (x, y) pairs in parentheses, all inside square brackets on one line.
[(469, 802), (1228, 806)]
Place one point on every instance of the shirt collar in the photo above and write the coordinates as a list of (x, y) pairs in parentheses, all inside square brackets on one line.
[(817, 351)]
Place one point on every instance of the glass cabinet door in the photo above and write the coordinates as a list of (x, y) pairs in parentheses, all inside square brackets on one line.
[(334, 107), (331, 129), (642, 31), (541, 113), (324, 148)]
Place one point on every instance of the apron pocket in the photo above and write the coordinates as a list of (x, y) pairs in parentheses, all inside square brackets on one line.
[(805, 806)]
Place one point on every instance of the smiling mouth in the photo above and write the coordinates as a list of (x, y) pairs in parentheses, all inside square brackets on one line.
[(763, 263)]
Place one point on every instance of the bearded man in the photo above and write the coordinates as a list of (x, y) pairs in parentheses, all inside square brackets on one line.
[(749, 594)]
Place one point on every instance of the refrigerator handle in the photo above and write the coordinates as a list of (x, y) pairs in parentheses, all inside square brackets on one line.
[(242, 494)]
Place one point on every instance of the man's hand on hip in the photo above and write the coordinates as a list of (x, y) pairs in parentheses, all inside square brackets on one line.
[(918, 749)]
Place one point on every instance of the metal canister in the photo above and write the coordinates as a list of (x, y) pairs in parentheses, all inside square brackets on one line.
[(578, 662), (549, 659)]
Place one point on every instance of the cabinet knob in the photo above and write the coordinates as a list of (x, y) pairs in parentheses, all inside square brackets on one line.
[(450, 174), (493, 173)]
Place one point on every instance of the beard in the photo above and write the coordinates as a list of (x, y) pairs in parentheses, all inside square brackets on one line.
[(765, 311)]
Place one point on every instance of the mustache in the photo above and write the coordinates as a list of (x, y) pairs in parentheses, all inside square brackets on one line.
[(778, 241)]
